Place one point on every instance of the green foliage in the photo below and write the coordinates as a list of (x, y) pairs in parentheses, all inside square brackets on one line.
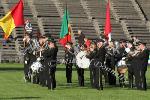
[(12, 86)]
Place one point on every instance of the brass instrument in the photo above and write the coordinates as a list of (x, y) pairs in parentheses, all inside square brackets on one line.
[(28, 49), (135, 53)]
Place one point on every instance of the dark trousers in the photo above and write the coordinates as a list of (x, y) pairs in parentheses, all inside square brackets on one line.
[(51, 81), (26, 71), (96, 75), (130, 76), (111, 77), (80, 72), (98, 78), (35, 78), (140, 79), (42, 77), (92, 76), (69, 72)]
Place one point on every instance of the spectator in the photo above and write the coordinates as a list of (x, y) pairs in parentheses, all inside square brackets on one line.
[(10, 39), (4, 42), (80, 37)]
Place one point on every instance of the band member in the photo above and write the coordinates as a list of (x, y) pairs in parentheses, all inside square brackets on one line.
[(69, 55), (29, 58), (141, 63), (54, 61), (100, 56), (110, 62), (95, 70), (50, 60), (80, 68), (119, 55), (130, 50), (91, 55), (42, 73)]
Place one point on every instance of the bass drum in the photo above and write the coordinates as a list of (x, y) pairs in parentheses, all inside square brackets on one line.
[(36, 66), (82, 61)]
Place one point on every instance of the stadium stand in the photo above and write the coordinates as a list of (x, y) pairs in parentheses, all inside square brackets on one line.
[(79, 19), (28, 16), (126, 13), (98, 10), (8, 51), (46, 15), (145, 6), (51, 20)]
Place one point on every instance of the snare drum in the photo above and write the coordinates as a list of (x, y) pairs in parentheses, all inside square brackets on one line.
[(122, 66)]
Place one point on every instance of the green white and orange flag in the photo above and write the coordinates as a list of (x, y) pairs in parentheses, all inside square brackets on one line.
[(12, 19), (65, 33)]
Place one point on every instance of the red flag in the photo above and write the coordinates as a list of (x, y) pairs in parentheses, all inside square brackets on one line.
[(107, 31), (12, 19)]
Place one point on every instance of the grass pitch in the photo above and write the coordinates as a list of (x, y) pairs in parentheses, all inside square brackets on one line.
[(13, 87)]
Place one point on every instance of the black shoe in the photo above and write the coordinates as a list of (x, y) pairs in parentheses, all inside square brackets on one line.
[(50, 88), (131, 86)]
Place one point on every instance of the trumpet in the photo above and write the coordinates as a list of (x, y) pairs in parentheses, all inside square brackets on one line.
[(134, 53)]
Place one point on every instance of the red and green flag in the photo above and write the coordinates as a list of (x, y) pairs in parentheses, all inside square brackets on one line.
[(65, 33), (12, 19)]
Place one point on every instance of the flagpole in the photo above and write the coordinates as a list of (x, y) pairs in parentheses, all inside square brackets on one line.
[(66, 16), (24, 35), (24, 32)]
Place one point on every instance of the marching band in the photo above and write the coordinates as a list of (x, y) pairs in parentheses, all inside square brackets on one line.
[(101, 57)]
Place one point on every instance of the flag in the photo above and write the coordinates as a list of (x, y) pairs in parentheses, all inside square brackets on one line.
[(107, 30), (12, 19), (65, 33)]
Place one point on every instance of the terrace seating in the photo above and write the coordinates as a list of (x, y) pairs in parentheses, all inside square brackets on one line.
[(135, 25), (51, 20), (98, 10), (27, 16), (7, 47), (145, 6), (79, 19), (47, 12)]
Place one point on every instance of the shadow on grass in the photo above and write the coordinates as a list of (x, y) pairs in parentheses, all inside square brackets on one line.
[(74, 85), (148, 85), (18, 98), (11, 69), (21, 69)]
